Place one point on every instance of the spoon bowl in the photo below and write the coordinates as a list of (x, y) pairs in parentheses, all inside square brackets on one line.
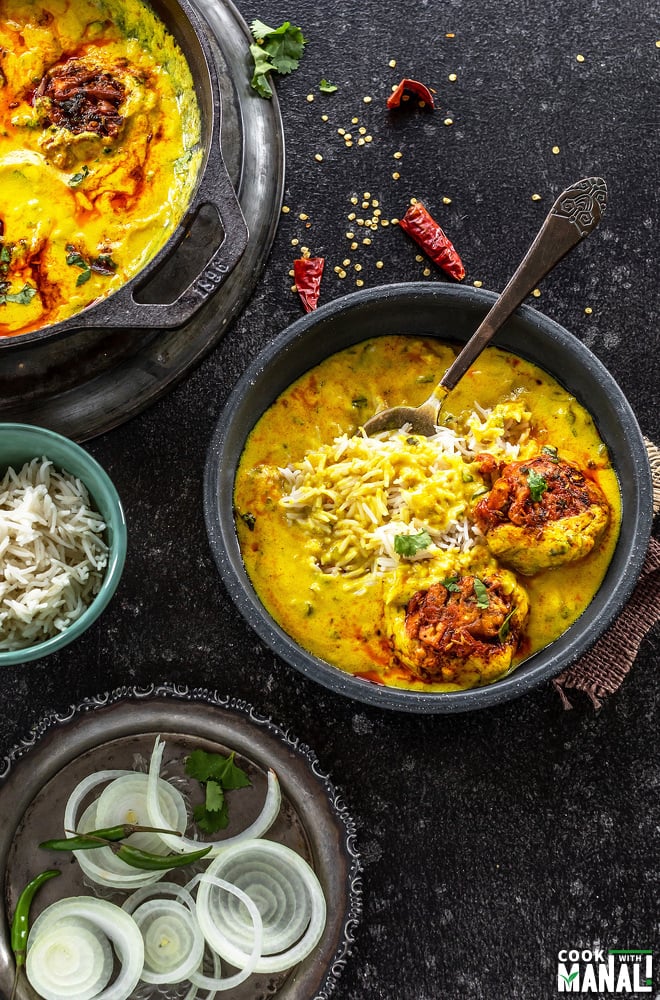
[(576, 213)]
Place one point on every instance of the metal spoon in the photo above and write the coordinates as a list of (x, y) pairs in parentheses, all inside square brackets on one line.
[(573, 216)]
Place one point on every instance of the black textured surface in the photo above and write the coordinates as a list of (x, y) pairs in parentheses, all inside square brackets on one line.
[(490, 841)]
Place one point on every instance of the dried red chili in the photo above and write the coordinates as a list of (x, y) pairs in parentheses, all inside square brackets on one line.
[(426, 232), (413, 87), (307, 273)]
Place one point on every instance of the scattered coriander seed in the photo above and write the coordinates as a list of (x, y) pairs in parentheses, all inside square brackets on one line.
[(368, 138), (318, 157), (426, 272), (452, 78), (536, 197), (336, 269), (359, 282), (360, 222), (374, 226), (385, 222), (310, 97), (366, 241), (379, 264), (448, 121), (341, 272), (347, 136), (392, 63), (285, 209), (446, 201), (348, 144), (324, 118), (537, 293), (398, 155), (555, 149), (377, 213), (419, 258), (657, 44), (354, 121), (396, 175), (413, 201), (588, 310), (367, 99), (579, 58), (354, 245), (346, 262), (362, 130), (367, 195), (350, 217), (294, 288), (477, 283), (450, 34), (341, 131), (375, 202), (421, 104), (303, 217), (294, 242), (357, 267), (365, 204), (349, 234), (291, 273), (360, 141), (354, 200), (395, 222)]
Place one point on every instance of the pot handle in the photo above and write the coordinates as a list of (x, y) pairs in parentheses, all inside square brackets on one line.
[(121, 311)]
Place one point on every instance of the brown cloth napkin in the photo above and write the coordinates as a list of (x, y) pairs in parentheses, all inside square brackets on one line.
[(602, 670)]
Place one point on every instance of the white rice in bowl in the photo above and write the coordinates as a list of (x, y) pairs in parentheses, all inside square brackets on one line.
[(52, 553)]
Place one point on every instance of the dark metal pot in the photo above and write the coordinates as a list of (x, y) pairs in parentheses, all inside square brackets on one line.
[(450, 313), (121, 310)]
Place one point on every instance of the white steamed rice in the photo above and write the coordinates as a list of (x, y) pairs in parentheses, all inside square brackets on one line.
[(52, 553)]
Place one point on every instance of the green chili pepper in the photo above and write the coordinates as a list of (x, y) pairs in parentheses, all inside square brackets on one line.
[(136, 858), (100, 838), (20, 924)]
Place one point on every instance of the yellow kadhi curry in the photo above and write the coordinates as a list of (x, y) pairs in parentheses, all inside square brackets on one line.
[(374, 553), (99, 136)]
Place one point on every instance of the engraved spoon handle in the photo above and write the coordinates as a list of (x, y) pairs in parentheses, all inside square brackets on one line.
[(576, 212)]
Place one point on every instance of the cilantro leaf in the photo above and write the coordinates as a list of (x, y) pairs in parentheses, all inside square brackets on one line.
[(22, 298), (481, 593), (326, 87), (218, 774), (215, 797), (451, 583), (5, 255), (211, 821), (408, 545), (277, 50), (537, 484), (505, 627), (551, 452), (84, 276), (78, 178)]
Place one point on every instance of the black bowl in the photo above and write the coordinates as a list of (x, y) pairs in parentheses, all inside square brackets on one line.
[(449, 313)]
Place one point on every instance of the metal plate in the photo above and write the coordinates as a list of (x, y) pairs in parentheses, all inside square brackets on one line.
[(90, 381), (117, 729)]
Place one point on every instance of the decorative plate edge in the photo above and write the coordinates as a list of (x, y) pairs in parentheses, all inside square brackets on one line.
[(183, 692)]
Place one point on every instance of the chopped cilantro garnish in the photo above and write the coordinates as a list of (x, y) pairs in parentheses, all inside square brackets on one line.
[(481, 593), (277, 50), (537, 485), (219, 774), (249, 519), (550, 451), (5, 255), (480, 492), (408, 545), (359, 402), (505, 627), (79, 177), (326, 87), (451, 583), (22, 298)]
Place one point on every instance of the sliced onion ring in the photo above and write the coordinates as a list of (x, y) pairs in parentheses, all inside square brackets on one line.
[(173, 941), (245, 863), (261, 825), (69, 970), (124, 800), (246, 967)]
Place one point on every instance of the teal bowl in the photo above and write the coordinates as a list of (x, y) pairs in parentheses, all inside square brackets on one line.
[(20, 443)]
